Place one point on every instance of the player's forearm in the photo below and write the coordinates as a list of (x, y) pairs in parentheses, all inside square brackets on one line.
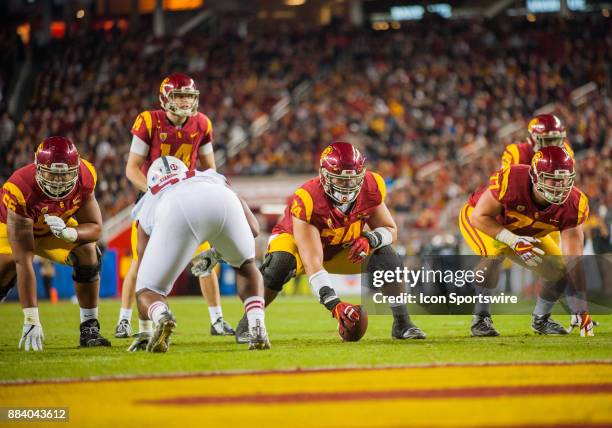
[(88, 232), (26, 281), (208, 161), (313, 263), (487, 224), (136, 177), (572, 241)]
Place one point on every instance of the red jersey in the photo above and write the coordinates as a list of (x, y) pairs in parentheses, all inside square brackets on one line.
[(166, 139), (311, 204), (512, 188), (22, 195), (522, 153)]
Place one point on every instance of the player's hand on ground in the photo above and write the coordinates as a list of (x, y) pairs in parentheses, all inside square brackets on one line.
[(59, 229), (525, 247), (346, 314), (359, 250), (32, 337), (204, 262), (584, 321)]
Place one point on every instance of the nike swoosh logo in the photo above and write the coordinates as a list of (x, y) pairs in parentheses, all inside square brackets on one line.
[(526, 248), (194, 135)]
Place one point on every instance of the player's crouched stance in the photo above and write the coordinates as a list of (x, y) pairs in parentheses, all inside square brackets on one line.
[(514, 216), (180, 210), (322, 231), (49, 209)]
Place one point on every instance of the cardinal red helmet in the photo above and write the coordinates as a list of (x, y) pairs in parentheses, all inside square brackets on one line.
[(179, 94), (552, 174), (57, 166), (342, 172), (546, 130)]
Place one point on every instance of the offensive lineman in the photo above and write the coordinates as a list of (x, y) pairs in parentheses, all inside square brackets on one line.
[(322, 231), (513, 217), (49, 209), (179, 130), (543, 130), (182, 209)]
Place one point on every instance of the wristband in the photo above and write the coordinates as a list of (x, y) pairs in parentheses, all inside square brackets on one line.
[(507, 237), (320, 284), (70, 234), (30, 316), (379, 237)]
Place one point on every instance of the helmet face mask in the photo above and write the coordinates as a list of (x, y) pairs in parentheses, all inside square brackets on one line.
[(57, 180), (555, 188), (179, 95), (57, 167), (342, 188), (553, 138), (342, 172), (552, 174), (546, 130)]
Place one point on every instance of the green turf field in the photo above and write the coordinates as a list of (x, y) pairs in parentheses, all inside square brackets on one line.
[(302, 333)]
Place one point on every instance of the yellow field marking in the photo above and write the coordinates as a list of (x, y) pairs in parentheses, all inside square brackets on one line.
[(145, 401)]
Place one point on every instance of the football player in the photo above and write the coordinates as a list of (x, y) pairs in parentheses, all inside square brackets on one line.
[(513, 217), (322, 232), (543, 130), (171, 226), (49, 209), (179, 130)]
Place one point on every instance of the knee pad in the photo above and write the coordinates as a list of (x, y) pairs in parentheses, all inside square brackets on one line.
[(384, 258), (86, 273), (278, 268)]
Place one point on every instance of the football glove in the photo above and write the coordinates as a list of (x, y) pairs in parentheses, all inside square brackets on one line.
[(585, 322), (32, 336), (346, 314), (204, 263), (359, 250), (59, 229), (523, 246)]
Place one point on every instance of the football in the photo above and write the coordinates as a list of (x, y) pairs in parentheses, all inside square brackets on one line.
[(356, 332)]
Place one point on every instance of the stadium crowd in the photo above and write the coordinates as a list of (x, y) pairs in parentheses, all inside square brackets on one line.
[(428, 104)]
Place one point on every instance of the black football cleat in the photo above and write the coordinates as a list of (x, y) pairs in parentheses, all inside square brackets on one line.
[(544, 324), (90, 335), (482, 326)]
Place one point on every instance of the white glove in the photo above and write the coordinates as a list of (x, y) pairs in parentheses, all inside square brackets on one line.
[(204, 262), (523, 246), (585, 322), (59, 229), (32, 336)]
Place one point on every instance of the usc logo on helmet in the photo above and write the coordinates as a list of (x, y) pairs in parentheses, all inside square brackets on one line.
[(327, 151), (163, 83), (536, 158)]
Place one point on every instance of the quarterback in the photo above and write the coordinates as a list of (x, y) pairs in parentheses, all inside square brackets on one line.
[(514, 217), (171, 226), (178, 130), (322, 232), (49, 209)]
